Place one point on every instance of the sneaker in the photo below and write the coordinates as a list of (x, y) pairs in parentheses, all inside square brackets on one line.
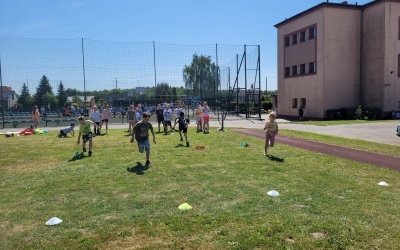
[(265, 153), (172, 133), (187, 144), (147, 163), (181, 139), (90, 153), (84, 149)]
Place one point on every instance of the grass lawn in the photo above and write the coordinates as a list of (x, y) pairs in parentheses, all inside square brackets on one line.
[(324, 203)]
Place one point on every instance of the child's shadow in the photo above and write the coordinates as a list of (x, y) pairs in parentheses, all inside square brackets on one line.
[(274, 158), (139, 169), (76, 157)]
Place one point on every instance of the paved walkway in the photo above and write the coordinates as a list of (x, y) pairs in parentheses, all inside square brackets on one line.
[(380, 160)]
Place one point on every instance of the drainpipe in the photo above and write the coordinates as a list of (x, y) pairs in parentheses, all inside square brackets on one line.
[(360, 91)]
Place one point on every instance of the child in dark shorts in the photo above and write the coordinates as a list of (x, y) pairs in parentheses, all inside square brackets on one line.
[(183, 126)]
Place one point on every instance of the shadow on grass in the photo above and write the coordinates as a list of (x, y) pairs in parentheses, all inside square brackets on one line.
[(274, 158), (79, 156), (139, 169)]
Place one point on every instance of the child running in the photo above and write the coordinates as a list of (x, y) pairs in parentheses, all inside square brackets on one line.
[(183, 125), (64, 132), (271, 130), (86, 133), (141, 133)]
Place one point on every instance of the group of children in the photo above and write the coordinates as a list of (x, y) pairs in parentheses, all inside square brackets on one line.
[(139, 127), (203, 118), (100, 117)]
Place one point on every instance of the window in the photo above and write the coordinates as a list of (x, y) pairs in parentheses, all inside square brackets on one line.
[(302, 68), (294, 103), (294, 39), (398, 65), (294, 70), (302, 36), (311, 67), (287, 41), (303, 102), (312, 33), (287, 71)]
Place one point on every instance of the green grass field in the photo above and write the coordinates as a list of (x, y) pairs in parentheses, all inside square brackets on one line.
[(324, 203)]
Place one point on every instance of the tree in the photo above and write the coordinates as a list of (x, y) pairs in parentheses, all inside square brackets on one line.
[(24, 95), (43, 88), (61, 95), (162, 91), (174, 94), (49, 101), (201, 76)]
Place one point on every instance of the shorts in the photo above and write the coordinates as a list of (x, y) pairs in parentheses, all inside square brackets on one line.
[(86, 137), (199, 119), (104, 120), (144, 145), (270, 136), (160, 120), (206, 118), (166, 123), (183, 130), (62, 133)]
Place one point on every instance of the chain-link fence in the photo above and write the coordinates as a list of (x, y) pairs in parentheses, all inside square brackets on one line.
[(119, 74)]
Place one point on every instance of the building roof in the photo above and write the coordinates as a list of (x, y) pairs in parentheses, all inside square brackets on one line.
[(6, 90), (344, 4)]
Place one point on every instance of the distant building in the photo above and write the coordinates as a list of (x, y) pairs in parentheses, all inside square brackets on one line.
[(339, 55), (9, 98), (74, 99)]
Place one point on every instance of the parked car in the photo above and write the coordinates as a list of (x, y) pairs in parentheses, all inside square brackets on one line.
[(398, 129)]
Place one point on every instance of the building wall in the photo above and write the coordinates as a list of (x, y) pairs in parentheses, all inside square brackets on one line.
[(391, 74), (340, 58), (336, 50), (302, 86), (373, 55)]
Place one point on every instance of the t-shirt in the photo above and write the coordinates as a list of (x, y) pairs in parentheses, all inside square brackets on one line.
[(68, 129), (131, 115), (142, 130), (271, 126), (178, 112), (85, 129), (206, 111), (183, 123), (96, 116), (167, 114), (106, 114), (160, 113)]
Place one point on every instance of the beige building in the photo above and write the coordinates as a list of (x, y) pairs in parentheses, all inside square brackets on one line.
[(339, 55)]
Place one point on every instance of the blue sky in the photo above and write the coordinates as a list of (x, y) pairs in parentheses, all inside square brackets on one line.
[(183, 22)]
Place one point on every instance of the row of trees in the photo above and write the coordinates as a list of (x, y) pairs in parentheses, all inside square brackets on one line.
[(200, 77), (44, 95)]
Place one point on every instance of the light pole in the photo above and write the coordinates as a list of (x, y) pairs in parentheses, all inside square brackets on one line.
[(116, 90)]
